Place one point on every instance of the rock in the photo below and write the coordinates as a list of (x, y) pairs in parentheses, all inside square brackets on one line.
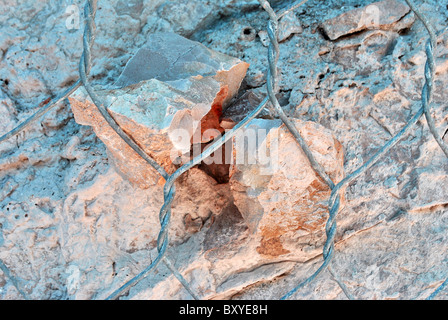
[(218, 164), (384, 15), (277, 215), (264, 38), (88, 234), (7, 114), (288, 25), (240, 109), (281, 198), (133, 8), (364, 51), (83, 231), (169, 57), (171, 95), (248, 34)]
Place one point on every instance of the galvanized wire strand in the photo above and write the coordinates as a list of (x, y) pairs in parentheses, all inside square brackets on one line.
[(89, 12), (272, 87), (327, 252), (335, 198), (13, 280), (374, 159), (169, 190), (341, 284), (88, 37), (36, 116), (112, 123), (180, 278), (428, 88), (311, 278), (136, 279), (84, 67), (273, 57), (438, 290)]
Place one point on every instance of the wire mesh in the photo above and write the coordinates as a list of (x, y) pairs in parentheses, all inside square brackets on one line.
[(271, 102)]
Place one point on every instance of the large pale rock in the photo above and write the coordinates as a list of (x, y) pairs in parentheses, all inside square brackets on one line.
[(169, 57), (277, 215), (385, 15), (281, 198), (171, 94)]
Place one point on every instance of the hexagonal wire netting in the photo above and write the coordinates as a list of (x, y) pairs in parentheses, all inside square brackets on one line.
[(271, 102)]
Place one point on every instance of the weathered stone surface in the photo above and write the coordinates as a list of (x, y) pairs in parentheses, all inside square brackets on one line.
[(385, 15), (169, 57), (7, 113), (283, 201), (288, 25), (173, 93), (392, 234), (240, 109), (365, 50)]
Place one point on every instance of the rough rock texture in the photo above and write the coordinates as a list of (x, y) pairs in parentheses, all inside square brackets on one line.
[(384, 15), (280, 196), (173, 93), (168, 57), (391, 240), (289, 24), (245, 104)]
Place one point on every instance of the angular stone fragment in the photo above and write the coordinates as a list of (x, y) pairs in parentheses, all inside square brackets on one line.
[(218, 164), (169, 57), (384, 15), (364, 51), (170, 95), (281, 198), (289, 24), (240, 109), (264, 38)]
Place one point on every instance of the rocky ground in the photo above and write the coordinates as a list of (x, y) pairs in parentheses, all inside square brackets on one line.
[(72, 226)]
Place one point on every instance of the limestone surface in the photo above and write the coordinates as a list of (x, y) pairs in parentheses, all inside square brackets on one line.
[(385, 15), (170, 94), (281, 198), (71, 227)]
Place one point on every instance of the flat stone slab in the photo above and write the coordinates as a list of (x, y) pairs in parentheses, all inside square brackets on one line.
[(170, 57)]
